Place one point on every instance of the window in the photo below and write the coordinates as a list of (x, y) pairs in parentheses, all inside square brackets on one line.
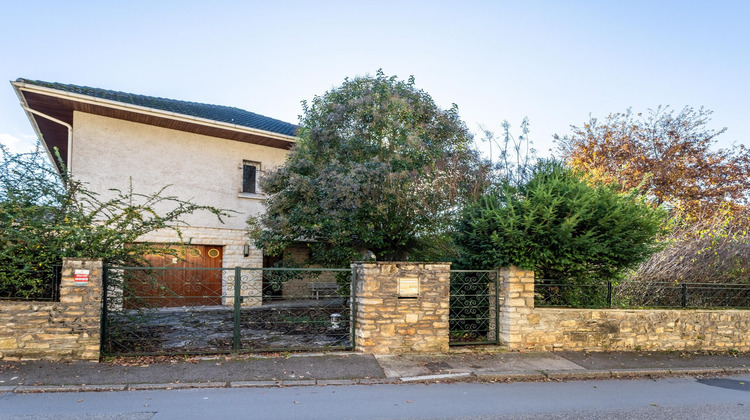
[(249, 177)]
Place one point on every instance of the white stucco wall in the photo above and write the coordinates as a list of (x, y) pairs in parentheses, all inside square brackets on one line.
[(108, 152)]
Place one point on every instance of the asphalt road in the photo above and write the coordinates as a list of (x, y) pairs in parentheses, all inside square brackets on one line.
[(672, 398)]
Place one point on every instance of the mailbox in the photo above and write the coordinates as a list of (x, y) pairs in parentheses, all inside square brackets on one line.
[(408, 287)]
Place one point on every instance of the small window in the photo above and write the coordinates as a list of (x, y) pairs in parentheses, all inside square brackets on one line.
[(249, 177)]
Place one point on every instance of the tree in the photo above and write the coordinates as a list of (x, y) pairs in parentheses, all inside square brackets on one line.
[(666, 154), (560, 226), (516, 156), (378, 167), (46, 216), (713, 249)]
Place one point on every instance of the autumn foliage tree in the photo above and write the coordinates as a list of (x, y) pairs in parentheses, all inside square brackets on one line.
[(669, 155), (672, 157)]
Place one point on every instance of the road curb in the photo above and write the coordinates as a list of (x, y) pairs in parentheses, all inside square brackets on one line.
[(459, 377), (176, 385), (512, 376), (254, 384), (438, 377)]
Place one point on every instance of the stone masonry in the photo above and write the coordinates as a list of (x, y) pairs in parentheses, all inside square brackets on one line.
[(517, 295), (65, 330), (524, 327), (387, 323)]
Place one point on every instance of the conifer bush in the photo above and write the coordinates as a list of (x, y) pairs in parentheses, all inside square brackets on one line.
[(561, 227)]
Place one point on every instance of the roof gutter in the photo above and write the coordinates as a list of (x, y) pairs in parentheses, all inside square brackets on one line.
[(30, 112)]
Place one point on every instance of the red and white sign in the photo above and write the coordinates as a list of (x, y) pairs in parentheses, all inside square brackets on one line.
[(81, 278)]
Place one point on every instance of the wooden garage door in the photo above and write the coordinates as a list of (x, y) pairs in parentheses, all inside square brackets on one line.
[(191, 280)]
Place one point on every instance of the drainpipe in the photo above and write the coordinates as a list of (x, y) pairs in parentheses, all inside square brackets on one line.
[(70, 134)]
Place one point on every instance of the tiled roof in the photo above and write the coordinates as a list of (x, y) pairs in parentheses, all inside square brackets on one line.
[(226, 114)]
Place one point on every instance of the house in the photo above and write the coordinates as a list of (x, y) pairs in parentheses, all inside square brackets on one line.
[(210, 154)]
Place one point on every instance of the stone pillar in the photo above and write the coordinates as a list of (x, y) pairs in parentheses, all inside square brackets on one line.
[(82, 305), (64, 330), (517, 294), (393, 319)]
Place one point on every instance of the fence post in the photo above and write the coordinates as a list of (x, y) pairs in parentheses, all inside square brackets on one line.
[(498, 309), (609, 294), (236, 344), (353, 306), (684, 295), (104, 327)]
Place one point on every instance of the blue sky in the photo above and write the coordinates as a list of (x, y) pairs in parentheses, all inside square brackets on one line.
[(555, 62)]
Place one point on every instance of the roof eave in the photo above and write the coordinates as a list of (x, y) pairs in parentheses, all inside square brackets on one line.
[(34, 125), (20, 86)]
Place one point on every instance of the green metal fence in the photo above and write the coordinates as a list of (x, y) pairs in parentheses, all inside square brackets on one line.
[(633, 294), (474, 307), (161, 310)]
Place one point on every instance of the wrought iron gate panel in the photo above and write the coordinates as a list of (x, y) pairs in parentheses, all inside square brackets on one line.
[(146, 311), (474, 307)]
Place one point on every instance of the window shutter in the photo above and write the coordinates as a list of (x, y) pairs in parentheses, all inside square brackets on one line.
[(248, 179)]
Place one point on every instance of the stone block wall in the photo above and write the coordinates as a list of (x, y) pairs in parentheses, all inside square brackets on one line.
[(524, 327), (517, 297), (386, 323), (636, 329), (65, 330)]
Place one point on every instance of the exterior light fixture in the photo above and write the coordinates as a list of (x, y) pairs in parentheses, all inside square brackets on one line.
[(335, 321), (246, 250)]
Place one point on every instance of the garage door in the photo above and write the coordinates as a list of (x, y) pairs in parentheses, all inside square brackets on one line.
[(192, 279)]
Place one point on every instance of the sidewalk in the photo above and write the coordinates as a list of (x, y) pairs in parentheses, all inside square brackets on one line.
[(350, 368)]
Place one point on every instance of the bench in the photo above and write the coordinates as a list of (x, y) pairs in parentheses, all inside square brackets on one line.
[(322, 286)]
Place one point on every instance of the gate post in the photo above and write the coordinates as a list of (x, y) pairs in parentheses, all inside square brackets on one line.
[(401, 307), (493, 333), (237, 309), (517, 290)]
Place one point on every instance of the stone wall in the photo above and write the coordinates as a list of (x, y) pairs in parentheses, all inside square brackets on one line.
[(524, 327), (387, 323), (636, 329), (65, 330), (517, 294)]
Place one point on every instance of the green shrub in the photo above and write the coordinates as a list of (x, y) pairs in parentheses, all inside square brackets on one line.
[(46, 216), (561, 227)]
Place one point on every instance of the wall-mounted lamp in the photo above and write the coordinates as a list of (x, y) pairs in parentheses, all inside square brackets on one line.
[(246, 250)]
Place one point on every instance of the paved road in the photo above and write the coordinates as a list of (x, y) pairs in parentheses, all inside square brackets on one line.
[(717, 398)]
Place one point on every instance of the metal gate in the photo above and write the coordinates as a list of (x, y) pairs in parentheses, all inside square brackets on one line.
[(474, 307), (146, 311)]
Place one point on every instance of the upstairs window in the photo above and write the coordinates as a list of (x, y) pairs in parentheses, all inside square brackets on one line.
[(249, 177)]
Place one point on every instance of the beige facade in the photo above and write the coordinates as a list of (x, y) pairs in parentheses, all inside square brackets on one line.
[(115, 154), (109, 153)]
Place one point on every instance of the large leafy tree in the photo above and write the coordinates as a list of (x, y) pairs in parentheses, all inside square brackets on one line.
[(46, 216), (669, 155), (378, 168), (560, 226)]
